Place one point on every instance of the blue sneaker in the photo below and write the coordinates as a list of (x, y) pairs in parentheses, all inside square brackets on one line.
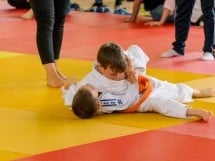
[(100, 9), (121, 11)]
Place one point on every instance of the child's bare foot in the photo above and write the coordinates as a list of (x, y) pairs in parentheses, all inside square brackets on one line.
[(207, 92), (28, 15), (206, 115), (203, 114)]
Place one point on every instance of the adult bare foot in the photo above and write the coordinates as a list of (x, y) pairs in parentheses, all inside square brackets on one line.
[(58, 71), (28, 15), (61, 75), (53, 78), (54, 81)]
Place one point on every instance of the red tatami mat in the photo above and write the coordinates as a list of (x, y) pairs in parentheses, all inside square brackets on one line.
[(147, 146), (196, 128), (85, 32)]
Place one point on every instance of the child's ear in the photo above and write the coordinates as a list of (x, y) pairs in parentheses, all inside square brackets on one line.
[(99, 66)]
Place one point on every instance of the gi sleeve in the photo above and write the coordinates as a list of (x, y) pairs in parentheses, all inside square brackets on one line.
[(139, 58)]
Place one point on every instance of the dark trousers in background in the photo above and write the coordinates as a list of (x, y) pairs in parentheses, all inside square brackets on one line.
[(182, 24), (50, 17)]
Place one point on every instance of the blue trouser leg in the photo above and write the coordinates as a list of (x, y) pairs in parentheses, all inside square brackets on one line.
[(208, 11), (182, 24)]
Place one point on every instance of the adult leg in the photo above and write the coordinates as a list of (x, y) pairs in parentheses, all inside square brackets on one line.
[(209, 27), (61, 10), (60, 14), (44, 15), (182, 24), (45, 18)]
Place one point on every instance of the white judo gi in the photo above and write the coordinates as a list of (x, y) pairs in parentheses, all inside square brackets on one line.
[(138, 59), (166, 98)]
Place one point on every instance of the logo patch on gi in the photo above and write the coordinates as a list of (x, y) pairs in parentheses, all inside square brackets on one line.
[(111, 102)]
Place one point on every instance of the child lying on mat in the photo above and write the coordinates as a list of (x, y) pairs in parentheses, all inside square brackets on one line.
[(136, 93), (89, 101)]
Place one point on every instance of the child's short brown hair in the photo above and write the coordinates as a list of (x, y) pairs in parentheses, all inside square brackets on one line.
[(84, 104), (111, 55)]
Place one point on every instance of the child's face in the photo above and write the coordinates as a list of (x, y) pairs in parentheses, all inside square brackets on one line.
[(92, 90), (110, 74), (95, 94)]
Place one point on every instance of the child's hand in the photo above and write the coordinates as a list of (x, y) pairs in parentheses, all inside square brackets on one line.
[(129, 72), (131, 77), (129, 67), (69, 82)]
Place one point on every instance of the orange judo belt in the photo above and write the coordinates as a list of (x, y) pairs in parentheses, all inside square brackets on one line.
[(145, 88)]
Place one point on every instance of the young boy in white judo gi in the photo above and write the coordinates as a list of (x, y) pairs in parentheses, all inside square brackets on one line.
[(108, 71), (120, 94)]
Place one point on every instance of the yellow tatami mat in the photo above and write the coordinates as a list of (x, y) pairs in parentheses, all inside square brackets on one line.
[(8, 54), (34, 120)]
